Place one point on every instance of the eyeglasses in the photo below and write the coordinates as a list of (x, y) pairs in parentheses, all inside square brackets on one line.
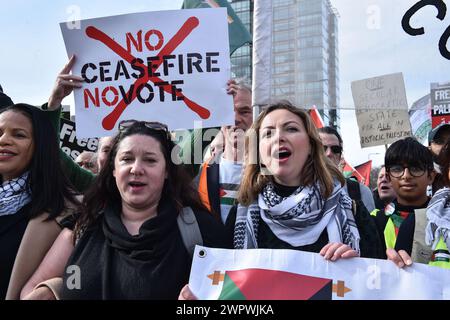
[(158, 126), (397, 171), (334, 149)]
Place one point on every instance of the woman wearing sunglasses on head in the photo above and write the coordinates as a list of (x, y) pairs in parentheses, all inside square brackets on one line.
[(128, 242)]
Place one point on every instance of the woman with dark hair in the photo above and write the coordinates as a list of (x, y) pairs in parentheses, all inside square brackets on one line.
[(33, 195), (128, 243)]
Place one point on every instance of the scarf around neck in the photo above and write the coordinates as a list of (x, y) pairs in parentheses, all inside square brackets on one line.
[(298, 219), (155, 235), (14, 195), (438, 215)]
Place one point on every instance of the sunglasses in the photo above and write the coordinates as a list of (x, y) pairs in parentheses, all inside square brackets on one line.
[(334, 149), (158, 126)]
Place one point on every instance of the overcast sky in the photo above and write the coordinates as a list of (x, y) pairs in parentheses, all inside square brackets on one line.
[(371, 43)]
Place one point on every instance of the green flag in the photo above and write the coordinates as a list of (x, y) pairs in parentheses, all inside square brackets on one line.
[(237, 32)]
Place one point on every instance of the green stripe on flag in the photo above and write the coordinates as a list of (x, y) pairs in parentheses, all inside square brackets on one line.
[(230, 291), (228, 201), (347, 174)]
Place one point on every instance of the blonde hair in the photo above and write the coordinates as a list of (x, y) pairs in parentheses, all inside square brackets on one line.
[(317, 168)]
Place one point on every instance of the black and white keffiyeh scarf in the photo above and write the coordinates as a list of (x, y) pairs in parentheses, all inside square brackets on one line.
[(438, 215), (298, 219), (14, 194)]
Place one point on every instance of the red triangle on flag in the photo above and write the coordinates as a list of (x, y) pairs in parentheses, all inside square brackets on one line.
[(364, 172)]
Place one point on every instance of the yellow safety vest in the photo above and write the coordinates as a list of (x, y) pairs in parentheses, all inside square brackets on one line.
[(441, 256)]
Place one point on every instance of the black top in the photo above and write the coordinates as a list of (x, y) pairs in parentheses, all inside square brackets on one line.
[(151, 265), (12, 228), (267, 239), (406, 230), (379, 204)]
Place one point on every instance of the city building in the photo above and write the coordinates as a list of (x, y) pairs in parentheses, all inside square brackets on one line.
[(305, 55)]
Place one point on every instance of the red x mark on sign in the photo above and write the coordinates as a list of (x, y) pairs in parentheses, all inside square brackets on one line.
[(109, 121)]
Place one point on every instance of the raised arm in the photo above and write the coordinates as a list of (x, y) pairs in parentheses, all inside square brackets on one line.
[(64, 85)]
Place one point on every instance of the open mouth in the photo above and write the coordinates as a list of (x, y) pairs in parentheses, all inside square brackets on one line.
[(282, 154), (135, 184)]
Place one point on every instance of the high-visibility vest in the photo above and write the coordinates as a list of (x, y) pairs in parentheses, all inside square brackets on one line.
[(390, 237), (441, 255), (203, 185)]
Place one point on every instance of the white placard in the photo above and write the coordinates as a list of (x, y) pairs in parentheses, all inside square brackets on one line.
[(381, 109), (166, 66)]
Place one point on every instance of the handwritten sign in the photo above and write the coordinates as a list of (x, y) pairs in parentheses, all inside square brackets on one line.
[(381, 109), (167, 66)]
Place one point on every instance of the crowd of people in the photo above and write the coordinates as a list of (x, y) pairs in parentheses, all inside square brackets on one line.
[(127, 217)]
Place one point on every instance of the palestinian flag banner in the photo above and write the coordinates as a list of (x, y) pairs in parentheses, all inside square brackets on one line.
[(266, 274), (256, 284)]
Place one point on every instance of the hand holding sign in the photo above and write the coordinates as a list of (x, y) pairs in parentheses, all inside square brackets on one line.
[(64, 85), (232, 87), (168, 66)]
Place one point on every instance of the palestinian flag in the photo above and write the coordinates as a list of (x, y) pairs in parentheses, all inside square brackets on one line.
[(228, 193), (348, 170), (316, 117), (364, 170), (262, 284)]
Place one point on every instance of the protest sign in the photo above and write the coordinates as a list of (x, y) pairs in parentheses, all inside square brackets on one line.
[(420, 119), (279, 274), (381, 109), (69, 142), (166, 66), (440, 106)]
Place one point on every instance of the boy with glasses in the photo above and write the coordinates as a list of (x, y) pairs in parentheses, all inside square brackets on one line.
[(409, 168)]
